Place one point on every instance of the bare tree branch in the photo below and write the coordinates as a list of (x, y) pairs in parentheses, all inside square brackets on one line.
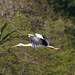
[(3, 27), (17, 29), (26, 66), (7, 35), (58, 14)]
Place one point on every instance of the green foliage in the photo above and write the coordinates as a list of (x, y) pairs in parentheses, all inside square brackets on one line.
[(67, 5), (42, 60)]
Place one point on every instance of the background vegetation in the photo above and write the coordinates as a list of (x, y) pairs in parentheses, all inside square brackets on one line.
[(52, 18)]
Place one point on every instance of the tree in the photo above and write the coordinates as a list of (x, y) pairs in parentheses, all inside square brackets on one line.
[(66, 5)]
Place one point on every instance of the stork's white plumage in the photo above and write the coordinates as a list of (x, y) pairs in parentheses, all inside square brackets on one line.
[(29, 35), (35, 42), (39, 35)]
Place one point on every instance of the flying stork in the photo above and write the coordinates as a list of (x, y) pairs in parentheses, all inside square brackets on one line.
[(37, 40)]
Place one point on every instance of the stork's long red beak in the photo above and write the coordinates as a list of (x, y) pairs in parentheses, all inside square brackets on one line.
[(15, 46), (57, 48)]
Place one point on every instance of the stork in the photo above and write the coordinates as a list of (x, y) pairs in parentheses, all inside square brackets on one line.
[(37, 40)]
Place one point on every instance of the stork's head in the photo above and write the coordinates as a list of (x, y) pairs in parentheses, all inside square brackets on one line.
[(29, 35), (18, 45)]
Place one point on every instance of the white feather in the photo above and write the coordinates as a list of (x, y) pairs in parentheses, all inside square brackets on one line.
[(30, 35), (39, 35)]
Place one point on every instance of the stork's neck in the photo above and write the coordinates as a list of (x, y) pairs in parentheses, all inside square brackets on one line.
[(26, 44), (50, 46)]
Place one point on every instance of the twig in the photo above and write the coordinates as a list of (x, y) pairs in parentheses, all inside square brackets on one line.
[(7, 35), (32, 61), (57, 15), (17, 30), (26, 66), (10, 52), (3, 27)]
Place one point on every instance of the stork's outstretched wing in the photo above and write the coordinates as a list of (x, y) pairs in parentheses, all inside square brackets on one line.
[(34, 40), (43, 38)]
